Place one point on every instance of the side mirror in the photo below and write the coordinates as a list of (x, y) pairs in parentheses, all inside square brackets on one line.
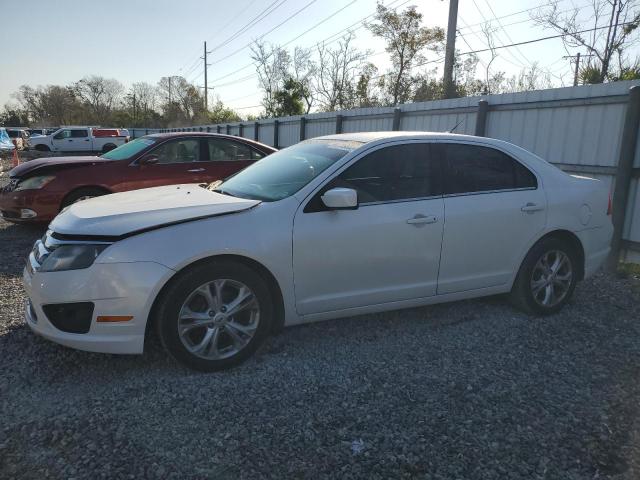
[(340, 199), (149, 159)]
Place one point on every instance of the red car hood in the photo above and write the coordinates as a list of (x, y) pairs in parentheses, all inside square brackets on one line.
[(40, 163)]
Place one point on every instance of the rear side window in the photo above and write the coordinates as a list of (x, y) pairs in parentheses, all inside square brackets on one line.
[(221, 150), (399, 172), (79, 134), (472, 169)]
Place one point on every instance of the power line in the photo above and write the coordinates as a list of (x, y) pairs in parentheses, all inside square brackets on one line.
[(505, 31), (290, 17), (324, 41)]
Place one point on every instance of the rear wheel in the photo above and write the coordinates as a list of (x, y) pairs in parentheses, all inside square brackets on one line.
[(82, 194), (108, 147), (42, 148), (547, 277), (215, 315)]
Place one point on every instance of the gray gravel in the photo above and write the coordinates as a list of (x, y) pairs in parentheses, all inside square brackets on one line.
[(469, 390)]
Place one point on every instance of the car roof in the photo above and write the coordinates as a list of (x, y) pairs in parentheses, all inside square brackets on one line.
[(367, 137)]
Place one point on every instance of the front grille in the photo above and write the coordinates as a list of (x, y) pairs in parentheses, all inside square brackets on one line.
[(32, 312)]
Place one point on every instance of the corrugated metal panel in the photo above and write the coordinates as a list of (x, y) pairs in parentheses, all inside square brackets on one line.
[(318, 128), (366, 124), (289, 134), (632, 218), (265, 133), (248, 131)]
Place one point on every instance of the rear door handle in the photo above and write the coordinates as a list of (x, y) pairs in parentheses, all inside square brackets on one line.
[(196, 170), (422, 219), (532, 207)]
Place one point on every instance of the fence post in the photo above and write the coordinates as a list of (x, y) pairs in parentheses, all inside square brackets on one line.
[(228, 129), (481, 118), (256, 131), (218, 128), (208, 128), (276, 127), (624, 170), (338, 123), (396, 119), (303, 127), (240, 129), (146, 132)]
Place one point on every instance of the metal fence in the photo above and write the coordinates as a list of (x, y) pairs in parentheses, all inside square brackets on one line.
[(580, 129)]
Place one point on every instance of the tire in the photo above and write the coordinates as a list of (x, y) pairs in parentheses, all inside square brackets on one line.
[(218, 341), (550, 266), (108, 147), (82, 194), (42, 148)]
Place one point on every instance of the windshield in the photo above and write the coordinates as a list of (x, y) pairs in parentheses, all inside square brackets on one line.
[(283, 173), (130, 149)]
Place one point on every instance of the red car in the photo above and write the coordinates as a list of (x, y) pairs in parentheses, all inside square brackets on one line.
[(37, 190)]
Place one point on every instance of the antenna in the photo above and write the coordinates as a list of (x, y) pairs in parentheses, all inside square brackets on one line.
[(457, 125)]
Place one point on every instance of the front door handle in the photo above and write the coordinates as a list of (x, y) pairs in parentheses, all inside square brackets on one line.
[(422, 219), (196, 170), (532, 207)]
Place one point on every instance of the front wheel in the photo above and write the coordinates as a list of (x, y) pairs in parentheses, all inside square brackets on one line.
[(215, 315), (547, 278)]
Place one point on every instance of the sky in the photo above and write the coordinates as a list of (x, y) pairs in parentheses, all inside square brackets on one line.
[(142, 40)]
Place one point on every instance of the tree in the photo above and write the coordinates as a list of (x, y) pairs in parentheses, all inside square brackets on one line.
[(288, 100), (222, 114), (621, 19), (52, 105), (406, 40), (13, 116), (304, 70), (272, 65), (337, 70), (366, 91), (101, 95)]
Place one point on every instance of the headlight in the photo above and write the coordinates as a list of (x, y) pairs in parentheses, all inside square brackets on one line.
[(33, 183), (71, 257)]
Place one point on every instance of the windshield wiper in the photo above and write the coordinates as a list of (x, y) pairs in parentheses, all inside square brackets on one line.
[(213, 185)]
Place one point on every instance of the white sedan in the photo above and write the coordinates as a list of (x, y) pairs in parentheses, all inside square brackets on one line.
[(331, 227)]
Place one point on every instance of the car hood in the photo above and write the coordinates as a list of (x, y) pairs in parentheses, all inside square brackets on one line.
[(41, 163), (122, 214)]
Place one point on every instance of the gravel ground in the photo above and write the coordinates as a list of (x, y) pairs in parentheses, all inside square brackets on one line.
[(469, 390)]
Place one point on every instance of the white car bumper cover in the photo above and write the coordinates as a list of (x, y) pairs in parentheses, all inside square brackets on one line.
[(116, 289)]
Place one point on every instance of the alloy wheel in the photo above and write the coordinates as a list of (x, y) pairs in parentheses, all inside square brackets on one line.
[(551, 278), (218, 319)]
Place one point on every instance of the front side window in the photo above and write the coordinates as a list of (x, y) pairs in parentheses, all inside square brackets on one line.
[(399, 172), (178, 151), (473, 169), (283, 173), (79, 134), (62, 134), (221, 150)]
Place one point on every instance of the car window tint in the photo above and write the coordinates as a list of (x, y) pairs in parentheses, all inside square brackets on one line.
[(472, 168), (221, 150), (79, 133), (178, 151), (393, 173), (62, 134)]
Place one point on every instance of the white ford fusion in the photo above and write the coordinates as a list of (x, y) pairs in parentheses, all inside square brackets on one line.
[(331, 227)]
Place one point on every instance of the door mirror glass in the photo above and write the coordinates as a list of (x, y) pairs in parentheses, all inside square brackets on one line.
[(340, 198), (149, 159)]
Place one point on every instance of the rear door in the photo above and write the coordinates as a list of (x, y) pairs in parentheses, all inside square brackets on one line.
[(226, 157), (494, 208)]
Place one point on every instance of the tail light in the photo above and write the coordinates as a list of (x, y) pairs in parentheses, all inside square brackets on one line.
[(609, 207)]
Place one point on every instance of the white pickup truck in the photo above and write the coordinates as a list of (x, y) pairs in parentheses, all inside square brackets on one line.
[(81, 139)]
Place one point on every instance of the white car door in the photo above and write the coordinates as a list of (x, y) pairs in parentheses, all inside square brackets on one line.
[(494, 208), (386, 250)]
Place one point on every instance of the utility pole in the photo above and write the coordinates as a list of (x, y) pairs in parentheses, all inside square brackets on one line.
[(206, 86), (576, 73), (449, 88), (170, 76)]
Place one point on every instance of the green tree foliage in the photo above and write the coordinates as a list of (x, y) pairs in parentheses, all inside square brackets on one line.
[(288, 100), (406, 41)]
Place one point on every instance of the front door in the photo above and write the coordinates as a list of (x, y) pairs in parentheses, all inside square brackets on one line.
[(386, 250), (178, 161), (72, 140), (494, 209)]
